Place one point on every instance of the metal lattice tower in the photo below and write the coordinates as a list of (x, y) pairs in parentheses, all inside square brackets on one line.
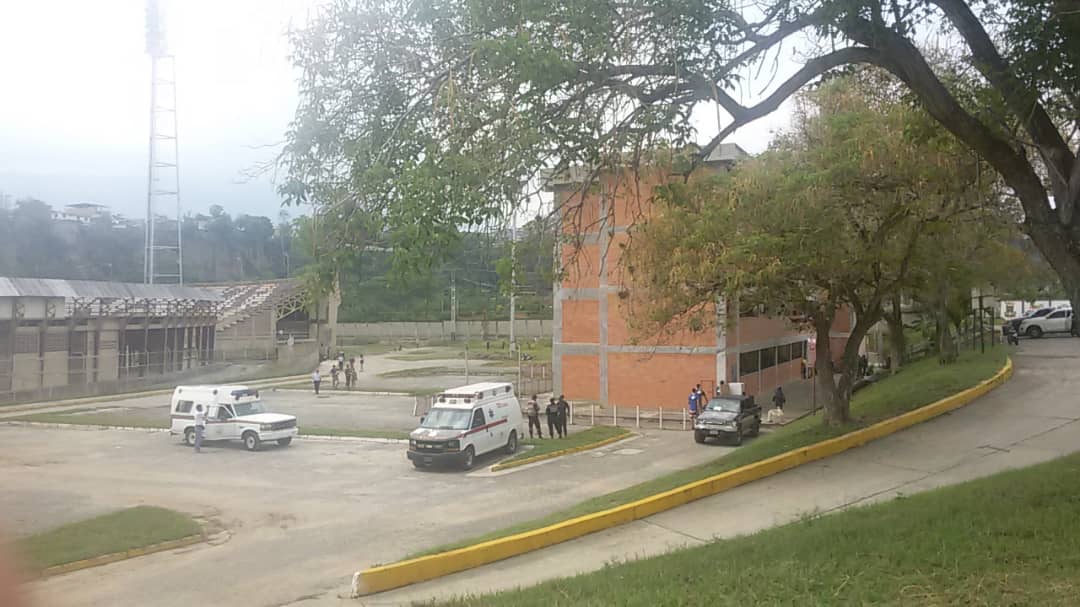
[(163, 259)]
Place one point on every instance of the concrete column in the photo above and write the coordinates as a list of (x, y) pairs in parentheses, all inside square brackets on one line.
[(604, 243)]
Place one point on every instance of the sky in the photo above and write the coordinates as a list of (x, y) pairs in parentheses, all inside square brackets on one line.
[(75, 89)]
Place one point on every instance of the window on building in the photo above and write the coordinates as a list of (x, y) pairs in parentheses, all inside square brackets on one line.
[(783, 353), (748, 362), (768, 358)]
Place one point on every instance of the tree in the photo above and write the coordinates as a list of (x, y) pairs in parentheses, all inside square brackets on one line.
[(831, 218), (434, 112)]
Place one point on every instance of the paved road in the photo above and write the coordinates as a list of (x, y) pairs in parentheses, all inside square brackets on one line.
[(298, 520), (1033, 418)]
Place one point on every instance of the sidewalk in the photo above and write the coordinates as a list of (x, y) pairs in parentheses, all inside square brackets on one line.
[(1031, 419)]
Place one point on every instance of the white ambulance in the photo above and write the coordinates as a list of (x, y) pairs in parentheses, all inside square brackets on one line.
[(467, 422), (232, 413)]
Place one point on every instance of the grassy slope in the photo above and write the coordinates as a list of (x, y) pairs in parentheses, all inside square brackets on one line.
[(916, 385), (1006, 540), (116, 532), (578, 439)]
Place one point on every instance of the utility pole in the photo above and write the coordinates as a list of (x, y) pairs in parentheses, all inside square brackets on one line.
[(453, 305), (513, 274)]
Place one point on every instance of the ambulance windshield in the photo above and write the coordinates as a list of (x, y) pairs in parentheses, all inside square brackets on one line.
[(447, 419)]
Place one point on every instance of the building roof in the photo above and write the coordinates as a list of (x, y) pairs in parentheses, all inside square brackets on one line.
[(93, 289), (727, 152)]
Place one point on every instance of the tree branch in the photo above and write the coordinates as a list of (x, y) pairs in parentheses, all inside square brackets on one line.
[(743, 115), (1024, 103)]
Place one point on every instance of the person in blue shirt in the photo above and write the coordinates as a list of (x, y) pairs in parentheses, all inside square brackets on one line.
[(694, 401)]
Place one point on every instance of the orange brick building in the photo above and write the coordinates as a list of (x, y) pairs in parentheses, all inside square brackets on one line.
[(596, 357)]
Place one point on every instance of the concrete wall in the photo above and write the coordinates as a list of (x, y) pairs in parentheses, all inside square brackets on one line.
[(441, 331)]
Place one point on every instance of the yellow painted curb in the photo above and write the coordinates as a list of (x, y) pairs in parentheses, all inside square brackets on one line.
[(105, 559), (396, 575), (560, 452)]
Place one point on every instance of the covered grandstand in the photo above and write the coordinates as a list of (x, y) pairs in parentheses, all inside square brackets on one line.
[(258, 318), (74, 337)]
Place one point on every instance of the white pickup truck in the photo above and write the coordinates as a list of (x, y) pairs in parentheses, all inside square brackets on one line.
[(233, 413)]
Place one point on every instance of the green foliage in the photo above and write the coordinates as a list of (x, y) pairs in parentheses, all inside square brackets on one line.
[(839, 212)]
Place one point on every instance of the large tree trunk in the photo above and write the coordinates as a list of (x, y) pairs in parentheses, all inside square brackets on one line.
[(838, 389), (897, 340)]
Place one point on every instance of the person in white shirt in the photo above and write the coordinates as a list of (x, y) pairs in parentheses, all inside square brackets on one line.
[(316, 379), (200, 427)]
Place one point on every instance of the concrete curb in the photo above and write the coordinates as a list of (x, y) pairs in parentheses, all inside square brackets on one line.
[(396, 575), (560, 452), (115, 557)]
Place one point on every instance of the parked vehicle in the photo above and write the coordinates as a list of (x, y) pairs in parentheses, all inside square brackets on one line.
[(1057, 321), (728, 417), (465, 423), (232, 413), (1033, 313)]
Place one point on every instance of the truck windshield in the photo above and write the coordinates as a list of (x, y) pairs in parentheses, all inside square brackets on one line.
[(243, 409), (447, 419), (723, 404)]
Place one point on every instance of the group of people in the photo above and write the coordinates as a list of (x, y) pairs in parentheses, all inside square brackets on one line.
[(557, 411), (338, 370)]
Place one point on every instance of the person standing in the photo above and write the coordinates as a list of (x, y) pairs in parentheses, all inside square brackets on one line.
[(778, 398), (334, 376), (552, 411), (692, 403), (564, 415), (532, 411), (361, 362), (316, 379), (200, 427)]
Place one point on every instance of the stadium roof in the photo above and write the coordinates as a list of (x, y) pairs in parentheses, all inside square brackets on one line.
[(93, 289)]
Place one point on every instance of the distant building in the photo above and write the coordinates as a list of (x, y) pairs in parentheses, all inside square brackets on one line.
[(82, 212), (597, 357)]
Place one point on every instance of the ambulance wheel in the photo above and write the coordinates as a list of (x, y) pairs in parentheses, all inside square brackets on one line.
[(189, 437), (284, 442), (251, 441), (512, 443), (469, 458)]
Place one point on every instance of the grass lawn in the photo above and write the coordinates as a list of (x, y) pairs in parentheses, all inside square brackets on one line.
[(120, 419), (318, 431), (306, 385), (918, 384), (107, 418), (539, 351), (474, 369), (578, 439), (116, 532), (1005, 540)]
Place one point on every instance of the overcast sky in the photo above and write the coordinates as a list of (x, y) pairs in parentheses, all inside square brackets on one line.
[(74, 97)]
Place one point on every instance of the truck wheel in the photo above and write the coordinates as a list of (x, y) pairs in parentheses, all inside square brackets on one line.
[(757, 427), (699, 437), (189, 437), (1034, 332), (416, 464), (284, 442), (251, 441), (512, 443), (738, 436), (468, 460)]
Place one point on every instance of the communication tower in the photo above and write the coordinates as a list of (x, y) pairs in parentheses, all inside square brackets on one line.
[(163, 260)]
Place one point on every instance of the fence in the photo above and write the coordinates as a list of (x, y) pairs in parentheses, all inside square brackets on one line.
[(32, 378), (534, 378), (367, 332)]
